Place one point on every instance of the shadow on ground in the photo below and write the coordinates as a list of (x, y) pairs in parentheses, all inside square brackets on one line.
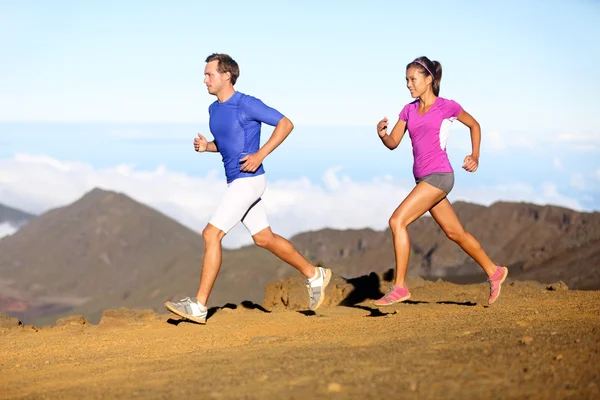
[(246, 305)]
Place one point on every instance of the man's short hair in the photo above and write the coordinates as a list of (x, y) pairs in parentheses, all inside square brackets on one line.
[(226, 64)]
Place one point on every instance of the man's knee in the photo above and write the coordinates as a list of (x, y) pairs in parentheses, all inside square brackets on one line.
[(264, 238), (212, 234)]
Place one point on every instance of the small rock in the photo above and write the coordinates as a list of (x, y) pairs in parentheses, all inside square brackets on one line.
[(6, 321), (73, 320), (557, 286), (526, 340), (31, 328), (334, 387), (47, 362), (414, 386), (558, 357), (577, 340), (124, 316)]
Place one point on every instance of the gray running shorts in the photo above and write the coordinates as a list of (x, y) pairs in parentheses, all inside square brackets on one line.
[(441, 180)]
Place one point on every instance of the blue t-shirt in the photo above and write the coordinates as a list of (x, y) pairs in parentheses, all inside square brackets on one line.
[(235, 125)]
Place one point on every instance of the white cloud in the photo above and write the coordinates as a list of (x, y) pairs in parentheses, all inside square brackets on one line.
[(586, 147), (331, 180), (526, 142), (580, 141), (551, 194), (598, 173), (495, 141), (38, 183), (579, 137), (558, 165), (577, 181), (499, 142), (6, 229)]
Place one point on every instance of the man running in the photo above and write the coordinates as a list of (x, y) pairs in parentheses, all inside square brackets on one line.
[(235, 123)]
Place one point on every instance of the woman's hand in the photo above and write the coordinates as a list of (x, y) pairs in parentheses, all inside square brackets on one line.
[(382, 127), (471, 163)]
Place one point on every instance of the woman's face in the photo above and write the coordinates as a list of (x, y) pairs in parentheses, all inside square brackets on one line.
[(417, 82)]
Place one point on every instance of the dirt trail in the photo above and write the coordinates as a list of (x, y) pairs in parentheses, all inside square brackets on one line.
[(534, 343)]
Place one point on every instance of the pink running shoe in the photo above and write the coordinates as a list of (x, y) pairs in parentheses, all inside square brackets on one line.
[(496, 282), (394, 295)]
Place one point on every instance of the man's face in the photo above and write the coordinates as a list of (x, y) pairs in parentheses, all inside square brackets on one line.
[(213, 79)]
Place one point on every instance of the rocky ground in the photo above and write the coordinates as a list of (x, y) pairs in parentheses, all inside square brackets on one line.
[(537, 342)]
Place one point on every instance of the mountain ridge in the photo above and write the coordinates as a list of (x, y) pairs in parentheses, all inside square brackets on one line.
[(107, 250)]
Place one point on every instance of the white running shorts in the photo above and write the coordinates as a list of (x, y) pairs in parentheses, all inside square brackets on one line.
[(242, 202)]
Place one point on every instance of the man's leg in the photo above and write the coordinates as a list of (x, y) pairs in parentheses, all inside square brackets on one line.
[(283, 249), (239, 197), (212, 261), (257, 224)]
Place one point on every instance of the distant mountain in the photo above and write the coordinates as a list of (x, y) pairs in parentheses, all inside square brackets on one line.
[(14, 217), (526, 237), (103, 244), (579, 267), (106, 250)]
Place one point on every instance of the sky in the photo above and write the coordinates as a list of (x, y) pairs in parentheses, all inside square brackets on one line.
[(110, 94)]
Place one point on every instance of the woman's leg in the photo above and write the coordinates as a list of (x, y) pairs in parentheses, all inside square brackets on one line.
[(446, 218), (422, 198), (444, 215)]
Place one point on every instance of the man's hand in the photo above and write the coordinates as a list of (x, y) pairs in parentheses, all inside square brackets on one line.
[(251, 162), (200, 143), (471, 163)]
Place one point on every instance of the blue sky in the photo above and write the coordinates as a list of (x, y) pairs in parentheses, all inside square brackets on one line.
[(116, 87)]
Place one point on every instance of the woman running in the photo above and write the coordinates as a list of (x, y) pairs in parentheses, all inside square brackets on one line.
[(428, 121)]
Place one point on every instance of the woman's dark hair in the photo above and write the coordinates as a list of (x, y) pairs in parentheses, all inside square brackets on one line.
[(428, 67)]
